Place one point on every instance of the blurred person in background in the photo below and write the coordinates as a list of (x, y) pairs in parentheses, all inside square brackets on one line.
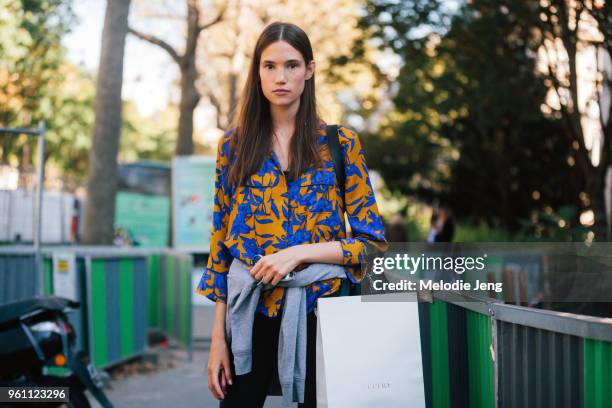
[(442, 226)]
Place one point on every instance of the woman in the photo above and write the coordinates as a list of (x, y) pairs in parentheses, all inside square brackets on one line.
[(278, 208)]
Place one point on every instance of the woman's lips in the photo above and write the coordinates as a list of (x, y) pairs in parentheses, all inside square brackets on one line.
[(279, 92)]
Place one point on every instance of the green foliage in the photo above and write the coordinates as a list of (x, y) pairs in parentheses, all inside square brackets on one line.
[(468, 128), (70, 117), (147, 138), (416, 230), (30, 55), (557, 226), (481, 232), (37, 82)]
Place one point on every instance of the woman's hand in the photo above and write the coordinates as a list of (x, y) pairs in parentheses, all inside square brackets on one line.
[(219, 372), (219, 369), (274, 267)]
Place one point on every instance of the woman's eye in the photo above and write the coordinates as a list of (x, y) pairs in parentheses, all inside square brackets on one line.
[(293, 66)]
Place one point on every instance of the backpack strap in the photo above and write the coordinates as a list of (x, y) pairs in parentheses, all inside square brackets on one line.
[(336, 153)]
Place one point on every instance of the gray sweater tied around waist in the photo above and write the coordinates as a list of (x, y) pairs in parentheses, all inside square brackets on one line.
[(242, 299)]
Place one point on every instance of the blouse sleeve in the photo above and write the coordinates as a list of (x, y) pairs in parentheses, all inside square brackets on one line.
[(361, 209), (213, 283)]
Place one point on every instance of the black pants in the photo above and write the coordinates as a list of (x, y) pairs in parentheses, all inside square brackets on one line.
[(250, 390)]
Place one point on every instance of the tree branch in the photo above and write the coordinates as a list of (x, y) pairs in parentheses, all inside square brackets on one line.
[(194, 28), (573, 134), (217, 104), (217, 19), (157, 41)]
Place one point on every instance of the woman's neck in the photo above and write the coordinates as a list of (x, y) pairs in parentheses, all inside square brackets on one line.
[(283, 120)]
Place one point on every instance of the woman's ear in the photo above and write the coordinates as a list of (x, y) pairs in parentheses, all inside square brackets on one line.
[(310, 70)]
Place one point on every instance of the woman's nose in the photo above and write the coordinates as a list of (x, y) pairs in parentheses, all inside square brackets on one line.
[(280, 77)]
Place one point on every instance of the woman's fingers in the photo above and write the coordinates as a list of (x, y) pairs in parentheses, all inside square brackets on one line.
[(257, 274), (210, 386), (273, 275), (260, 270), (276, 279), (266, 271), (268, 275), (222, 382), (227, 371), (213, 383), (255, 269)]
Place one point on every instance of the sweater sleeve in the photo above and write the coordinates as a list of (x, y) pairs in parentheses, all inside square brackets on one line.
[(361, 209)]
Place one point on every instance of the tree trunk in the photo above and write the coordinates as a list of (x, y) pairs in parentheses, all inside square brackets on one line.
[(233, 99), (102, 181), (597, 198), (190, 98)]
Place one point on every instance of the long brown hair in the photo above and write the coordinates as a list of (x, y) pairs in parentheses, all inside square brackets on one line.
[(253, 140)]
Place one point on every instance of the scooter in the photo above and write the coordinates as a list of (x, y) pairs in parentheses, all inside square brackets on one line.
[(34, 334)]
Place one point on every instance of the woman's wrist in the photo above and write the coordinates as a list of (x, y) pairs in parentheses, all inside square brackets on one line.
[(215, 336), (326, 252), (299, 254), (218, 329)]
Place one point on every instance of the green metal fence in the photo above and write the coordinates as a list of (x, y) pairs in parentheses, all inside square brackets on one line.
[(124, 293), (480, 360), (484, 353), (457, 359), (597, 373), (170, 289), (116, 307)]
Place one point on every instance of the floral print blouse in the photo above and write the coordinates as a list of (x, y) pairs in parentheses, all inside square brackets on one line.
[(269, 213)]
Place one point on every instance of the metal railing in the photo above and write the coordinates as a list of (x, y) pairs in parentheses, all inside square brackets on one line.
[(484, 353)]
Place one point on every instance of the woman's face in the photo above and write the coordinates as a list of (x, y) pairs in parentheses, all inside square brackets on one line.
[(283, 72)]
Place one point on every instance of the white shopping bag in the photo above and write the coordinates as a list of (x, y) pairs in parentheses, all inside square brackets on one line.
[(369, 353)]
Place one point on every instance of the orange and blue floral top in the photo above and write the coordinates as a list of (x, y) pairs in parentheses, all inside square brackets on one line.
[(269, 213)]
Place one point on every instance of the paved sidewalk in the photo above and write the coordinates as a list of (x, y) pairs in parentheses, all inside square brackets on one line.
[(174, 382)]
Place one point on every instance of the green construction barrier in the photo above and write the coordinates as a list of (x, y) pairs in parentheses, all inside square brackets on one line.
[(123, 294), (170, 291), (483, 353), (457, 361), (117, 291), (597, 373)]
